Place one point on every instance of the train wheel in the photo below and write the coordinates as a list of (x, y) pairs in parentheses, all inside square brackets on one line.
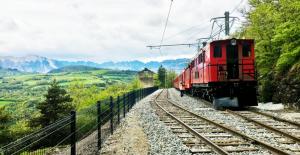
[(193, 92)]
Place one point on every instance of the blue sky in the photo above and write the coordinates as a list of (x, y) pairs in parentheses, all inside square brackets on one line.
[(102, 30)]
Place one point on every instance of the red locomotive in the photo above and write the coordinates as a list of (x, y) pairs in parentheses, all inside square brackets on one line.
[(223, 71)]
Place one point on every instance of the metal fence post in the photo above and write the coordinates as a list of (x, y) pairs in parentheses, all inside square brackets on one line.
[(140, 94), (73, 133), (124, 105), (131, 99), (118, 102), (135, 98), (128, 101), (111, 115), (99, 124)]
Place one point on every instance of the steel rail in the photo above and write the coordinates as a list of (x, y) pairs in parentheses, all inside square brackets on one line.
[(268, 127), (265, 126), (215, 147), (277, 118), (231, 130)]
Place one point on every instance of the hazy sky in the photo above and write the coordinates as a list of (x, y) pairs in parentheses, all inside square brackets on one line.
[(101, 30)]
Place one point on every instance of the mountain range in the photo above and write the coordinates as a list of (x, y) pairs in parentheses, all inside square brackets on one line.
[(40, 64)]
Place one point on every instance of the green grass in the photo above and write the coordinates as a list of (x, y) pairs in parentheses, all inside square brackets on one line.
[(24, 87), (6, 102)]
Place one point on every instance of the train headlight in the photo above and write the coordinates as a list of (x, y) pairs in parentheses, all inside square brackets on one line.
[(233, 42)]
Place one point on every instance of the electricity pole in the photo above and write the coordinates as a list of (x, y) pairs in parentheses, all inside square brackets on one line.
[(226, 23), (228, 19)]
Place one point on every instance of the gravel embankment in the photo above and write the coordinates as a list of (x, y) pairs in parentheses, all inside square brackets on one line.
[(159, 139), (128, 138), (196, 106)]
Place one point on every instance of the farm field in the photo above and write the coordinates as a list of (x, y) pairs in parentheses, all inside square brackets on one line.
[(5, 102), (18, 88)]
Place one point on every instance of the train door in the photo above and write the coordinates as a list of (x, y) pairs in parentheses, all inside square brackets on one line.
[(232, 61)]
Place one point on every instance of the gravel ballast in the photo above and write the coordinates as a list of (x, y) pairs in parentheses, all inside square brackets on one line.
[(158, 139)]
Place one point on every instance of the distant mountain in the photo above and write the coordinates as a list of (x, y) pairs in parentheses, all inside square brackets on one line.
[(60, 63), (28, 63), (39, 64), (44, 65), (176, 65), (73, 69)]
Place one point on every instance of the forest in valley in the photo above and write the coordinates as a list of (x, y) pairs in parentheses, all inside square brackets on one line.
[(275, 26)]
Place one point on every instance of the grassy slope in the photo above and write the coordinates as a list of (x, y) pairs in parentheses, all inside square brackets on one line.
[(33, 86)]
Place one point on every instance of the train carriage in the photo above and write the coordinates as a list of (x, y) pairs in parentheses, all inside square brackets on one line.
[(223, 72)]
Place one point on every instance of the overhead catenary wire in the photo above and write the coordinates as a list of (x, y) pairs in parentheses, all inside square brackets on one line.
[(211, 36), (166, 24), (194, 28), (236, 7)]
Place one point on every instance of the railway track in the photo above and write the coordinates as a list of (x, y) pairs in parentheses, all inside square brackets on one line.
[(282, 134), (287, 133), (278, 118), (203, 136)]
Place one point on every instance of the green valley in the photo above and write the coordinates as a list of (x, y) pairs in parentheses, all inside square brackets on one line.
[(21, 93), (18, 88)]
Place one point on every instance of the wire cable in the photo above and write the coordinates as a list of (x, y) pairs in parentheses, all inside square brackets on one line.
[(39, 132), (196, 27), (40, 139), (166, 24), (236, 7)]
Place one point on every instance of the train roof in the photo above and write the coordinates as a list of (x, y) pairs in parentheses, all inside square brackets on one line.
[(228, 39), (206, 47)]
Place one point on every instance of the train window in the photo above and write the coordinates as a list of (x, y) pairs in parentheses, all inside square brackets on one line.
[(217, 51), (192, 64), (246, 50), (196, 75), (200, 58)]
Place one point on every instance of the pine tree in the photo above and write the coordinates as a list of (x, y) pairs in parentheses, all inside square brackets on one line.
[(162, 76), (4, 120), (56, 105)]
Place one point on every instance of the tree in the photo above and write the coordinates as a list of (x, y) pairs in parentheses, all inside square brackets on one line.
[(162, 76), (4, 120), (136, 84), (56, 105), (171, 75), (275, 26)]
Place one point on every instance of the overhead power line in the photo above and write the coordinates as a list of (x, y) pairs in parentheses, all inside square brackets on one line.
[(236, 7), (166, 24)]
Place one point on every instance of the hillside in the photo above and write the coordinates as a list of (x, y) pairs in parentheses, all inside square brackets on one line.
[(73, 69), (9, 72), (275, 26), (177, 65), (19, 87)]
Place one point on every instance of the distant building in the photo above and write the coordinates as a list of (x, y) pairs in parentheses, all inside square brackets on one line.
[(146, 77)]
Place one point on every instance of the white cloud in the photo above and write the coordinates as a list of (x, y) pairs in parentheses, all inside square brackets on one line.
[(101, 30)]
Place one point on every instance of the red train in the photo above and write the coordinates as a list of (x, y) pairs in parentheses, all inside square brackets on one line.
[(223, 71)]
